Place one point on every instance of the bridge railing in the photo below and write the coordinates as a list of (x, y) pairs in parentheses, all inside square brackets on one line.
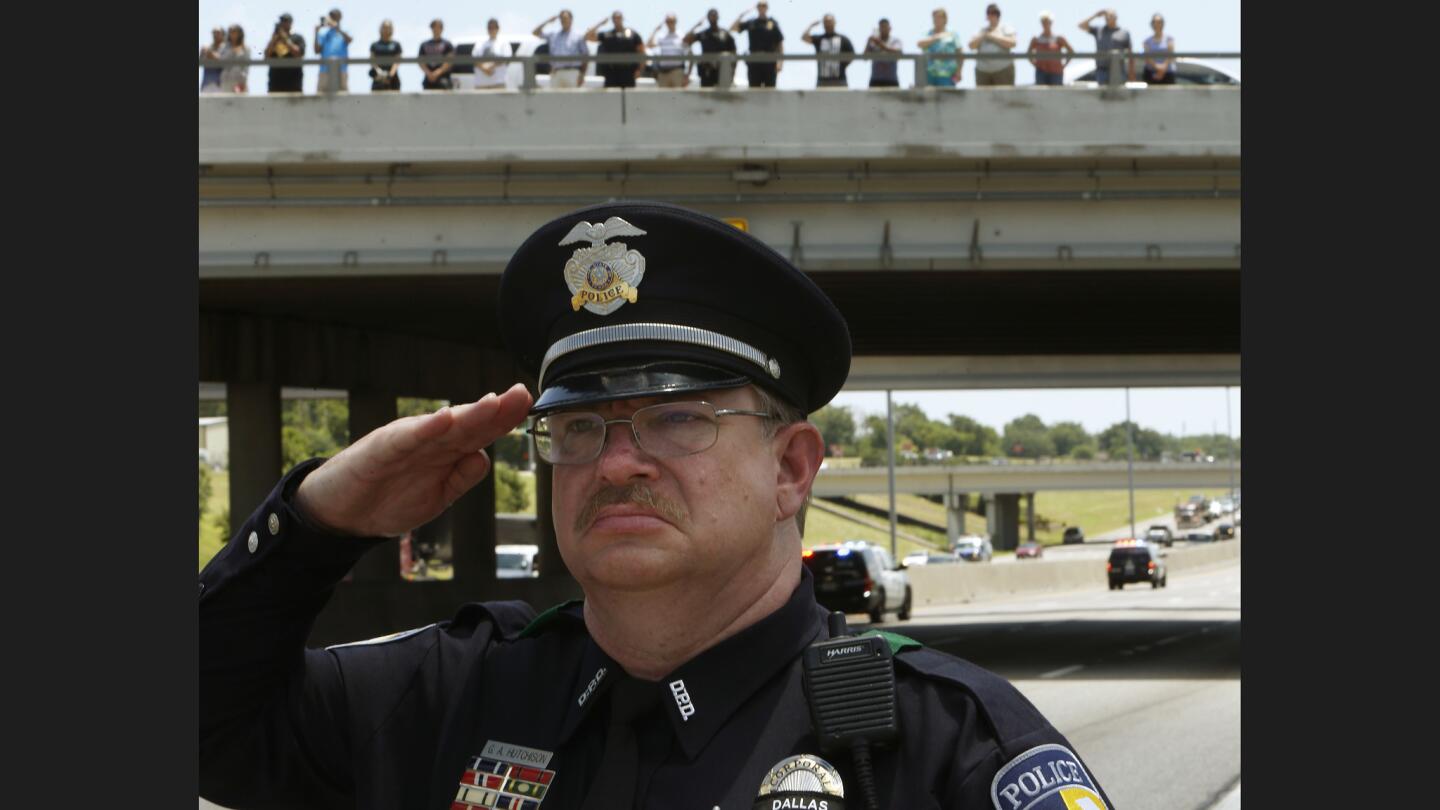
[(1116, 61)]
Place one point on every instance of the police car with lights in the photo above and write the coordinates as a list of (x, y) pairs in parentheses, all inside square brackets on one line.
[(1135, 561), (857, 577)]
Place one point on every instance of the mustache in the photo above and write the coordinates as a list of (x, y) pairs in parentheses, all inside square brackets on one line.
[(636, 493)]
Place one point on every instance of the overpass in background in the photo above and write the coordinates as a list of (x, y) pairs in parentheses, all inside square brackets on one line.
[(992, 238)]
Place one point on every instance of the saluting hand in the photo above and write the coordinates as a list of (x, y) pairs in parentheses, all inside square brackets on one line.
[(406, 473)]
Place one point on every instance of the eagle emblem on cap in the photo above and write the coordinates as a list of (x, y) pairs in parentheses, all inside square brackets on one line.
[(603, 277)]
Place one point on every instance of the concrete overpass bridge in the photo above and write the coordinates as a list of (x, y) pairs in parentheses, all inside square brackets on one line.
[(995, 237)]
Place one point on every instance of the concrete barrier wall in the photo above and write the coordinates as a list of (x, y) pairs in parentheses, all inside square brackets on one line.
[(966, 582)]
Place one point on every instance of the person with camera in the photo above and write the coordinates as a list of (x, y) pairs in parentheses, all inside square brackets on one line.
[(210, 78), (285, 44), (333, 43), (385, 74)]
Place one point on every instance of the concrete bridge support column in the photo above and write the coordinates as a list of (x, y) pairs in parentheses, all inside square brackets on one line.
[(255, 458), (370, 409), (1003, 519), (1029, 517), (955, 504)]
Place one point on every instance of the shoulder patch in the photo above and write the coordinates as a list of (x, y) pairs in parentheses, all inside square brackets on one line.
[(1046, 777), (896, 641), (382, 639), (546, 620)]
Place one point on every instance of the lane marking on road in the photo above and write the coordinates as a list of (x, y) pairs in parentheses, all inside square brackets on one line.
[(1172, 639), (1063, 671)]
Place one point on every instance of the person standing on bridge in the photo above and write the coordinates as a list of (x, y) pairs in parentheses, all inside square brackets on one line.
[(616, 41), (210, 76), (566, 73), (331, 42), (1108, 38), (437, 74), (883, 73), (671, 72), (1049, 72), (995, 37), (385, 75), (829, 73), (235, 78), (942, 42), (1159, 54), (674, 370), (285, 43), (714, 39), (765, 37)]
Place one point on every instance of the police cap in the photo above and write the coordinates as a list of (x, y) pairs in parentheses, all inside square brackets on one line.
[(638, 299)]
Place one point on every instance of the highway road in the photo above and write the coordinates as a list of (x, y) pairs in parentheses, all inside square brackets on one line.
[(1145, 683)]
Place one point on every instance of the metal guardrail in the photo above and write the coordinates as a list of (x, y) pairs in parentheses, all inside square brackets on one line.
[(726, 61)]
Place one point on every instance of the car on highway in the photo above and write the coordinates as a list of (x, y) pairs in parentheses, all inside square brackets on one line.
[(1225, 531), (1135, 561), (928, 558), (1200, 537), (1160, 534), (974, 548), (1029, 551), (857, 577), (516, 561), (1073, 534)]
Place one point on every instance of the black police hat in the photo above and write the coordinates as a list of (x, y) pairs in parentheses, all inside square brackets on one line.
[(639, 299)]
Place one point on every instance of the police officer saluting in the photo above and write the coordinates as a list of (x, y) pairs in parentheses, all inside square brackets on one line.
[(714, 39), (765, 37), (676, 358)]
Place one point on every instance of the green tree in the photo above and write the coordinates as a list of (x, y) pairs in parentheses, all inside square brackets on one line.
[(311, 428), (417, 406), (513, 448), (1066, 436), (1027, 437), (972, 438), (837, 426), (1149, 444), (510, 493)]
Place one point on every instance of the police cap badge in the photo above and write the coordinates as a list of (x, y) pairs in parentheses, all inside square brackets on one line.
[(688, 303)]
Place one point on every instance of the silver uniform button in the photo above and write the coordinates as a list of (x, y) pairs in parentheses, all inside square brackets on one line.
[(253, 543), (274, 523)]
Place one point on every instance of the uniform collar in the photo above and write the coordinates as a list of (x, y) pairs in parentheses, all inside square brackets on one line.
[(702, 694)]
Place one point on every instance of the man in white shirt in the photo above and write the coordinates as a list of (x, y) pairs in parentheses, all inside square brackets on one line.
[(670, 72), (491, 75), (993, 38)]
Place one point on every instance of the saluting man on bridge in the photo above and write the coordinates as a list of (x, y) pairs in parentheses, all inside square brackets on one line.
[(676, 359)]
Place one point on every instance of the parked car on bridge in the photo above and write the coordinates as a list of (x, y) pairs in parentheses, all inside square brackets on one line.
[(974, 548), (1135, 561), (1029, 551), (1073, 534), (1187, 71), (856, 577)]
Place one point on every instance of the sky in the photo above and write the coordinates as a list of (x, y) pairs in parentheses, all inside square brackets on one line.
[(1196, 26), (1177, 411)]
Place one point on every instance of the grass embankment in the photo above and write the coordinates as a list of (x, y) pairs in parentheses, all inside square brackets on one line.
[(1094, 511)]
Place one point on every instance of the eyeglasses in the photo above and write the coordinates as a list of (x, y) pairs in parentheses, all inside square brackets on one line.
[(666, 430)]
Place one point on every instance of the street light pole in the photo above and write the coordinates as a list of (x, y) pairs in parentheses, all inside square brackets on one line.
[(890, 442), (1130, 465)]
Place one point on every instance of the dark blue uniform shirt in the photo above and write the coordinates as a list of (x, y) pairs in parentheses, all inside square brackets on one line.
[(501, 707)]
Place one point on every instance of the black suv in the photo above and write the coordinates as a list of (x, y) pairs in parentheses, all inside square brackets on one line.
[(1073, 535), (856, 579), (1135, 562)]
